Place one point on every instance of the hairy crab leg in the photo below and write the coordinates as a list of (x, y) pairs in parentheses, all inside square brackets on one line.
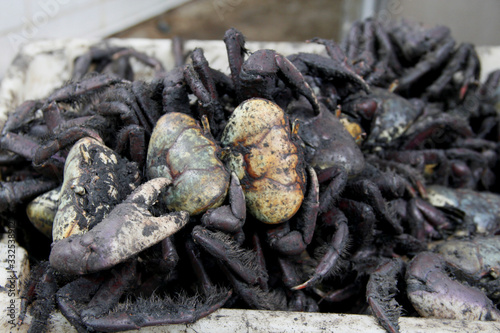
[(380, 292)]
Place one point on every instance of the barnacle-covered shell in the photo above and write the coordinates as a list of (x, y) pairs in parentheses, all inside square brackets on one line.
[(179, 149), (266, 159), (95, 180)]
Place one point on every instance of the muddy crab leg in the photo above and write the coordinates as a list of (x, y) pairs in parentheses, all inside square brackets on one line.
[(82, 63), (135, 137), (42, 285), (372, 196), (199, 78), (253, 296), (128, 229), (351, 44), (294, 78), (335, 52), (337, 177), (306, 221)]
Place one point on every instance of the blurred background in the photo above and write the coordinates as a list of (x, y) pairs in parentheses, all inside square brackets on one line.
[(266, 20)]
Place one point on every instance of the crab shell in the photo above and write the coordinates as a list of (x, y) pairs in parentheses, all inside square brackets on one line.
[(95, 180), (181, 150), (43, 209), (482, 207), (266, 159)]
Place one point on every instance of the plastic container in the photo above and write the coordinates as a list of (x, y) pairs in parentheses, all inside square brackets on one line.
[(43, 66)]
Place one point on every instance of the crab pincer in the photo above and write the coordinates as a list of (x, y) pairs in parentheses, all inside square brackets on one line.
[(127, 230), (434, 294)]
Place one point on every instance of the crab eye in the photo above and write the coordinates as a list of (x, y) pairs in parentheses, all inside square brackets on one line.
[(78, 189)]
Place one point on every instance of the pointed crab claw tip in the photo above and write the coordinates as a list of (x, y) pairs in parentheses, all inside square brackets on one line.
[(463, 91), (301, 286)]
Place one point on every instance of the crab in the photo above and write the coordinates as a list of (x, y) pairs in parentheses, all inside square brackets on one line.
[(372, 53), (247, 75), (445, 149), (200, 186), (134, 104), (126, 231), (442, 146), (123, 228), (385, 116), (263, 73), (434, 282), (113, 59), (95, 179), (114, 241), (480, 207), (428, 49)]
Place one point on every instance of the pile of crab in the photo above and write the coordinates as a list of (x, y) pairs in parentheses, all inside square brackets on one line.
[(356, 182)]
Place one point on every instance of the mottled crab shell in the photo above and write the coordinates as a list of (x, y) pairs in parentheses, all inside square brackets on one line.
[(266, 159), (180, 150), (395, 116), (95, 180)]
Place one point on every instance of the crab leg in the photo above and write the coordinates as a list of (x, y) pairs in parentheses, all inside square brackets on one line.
[(156, 312), (24, 111), (14, 193), (431, 61), (380, 292), (229, 218), (336, 248), (453, 66), (222, 247), (235, 45), (83, 87), (193, 253)]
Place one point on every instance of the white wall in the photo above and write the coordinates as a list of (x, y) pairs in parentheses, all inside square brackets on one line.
[(477, 22), (22, 21)]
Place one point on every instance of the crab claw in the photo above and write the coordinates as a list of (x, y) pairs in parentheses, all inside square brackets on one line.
[(127, 230), (434, 294)]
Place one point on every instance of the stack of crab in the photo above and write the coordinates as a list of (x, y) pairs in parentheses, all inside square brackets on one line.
[(359, 172)]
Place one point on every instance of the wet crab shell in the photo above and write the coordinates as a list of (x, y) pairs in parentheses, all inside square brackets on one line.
[(43, 209), (482, 207), (95, 180), (266, 159), (477, 258), (327, 142), (180, 150)]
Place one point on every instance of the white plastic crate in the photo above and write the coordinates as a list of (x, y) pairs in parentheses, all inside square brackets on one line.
[(43, 66)]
